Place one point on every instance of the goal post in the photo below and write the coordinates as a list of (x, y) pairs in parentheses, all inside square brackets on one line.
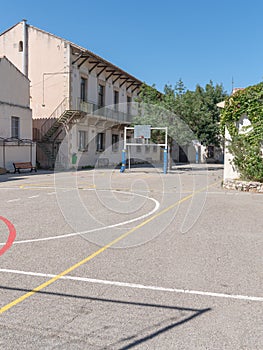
[(144, 132)]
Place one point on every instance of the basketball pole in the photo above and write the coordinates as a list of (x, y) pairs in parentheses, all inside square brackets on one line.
[(165, 152), (123, 153), (123, 162)]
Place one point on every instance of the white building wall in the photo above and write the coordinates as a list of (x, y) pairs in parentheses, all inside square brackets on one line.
[(49, 74), (24, 115), (14, 102), (9, 45), (109, 98), (14, 86), (229, 169), (12, 153), (92, 89)]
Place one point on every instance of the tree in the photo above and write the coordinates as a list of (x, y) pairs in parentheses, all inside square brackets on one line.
[(196, 108), (189, 115), (158, 110)]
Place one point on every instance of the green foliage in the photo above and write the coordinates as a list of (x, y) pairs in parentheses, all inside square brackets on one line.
[(207, 113), (246, 145), (158, 110), (188, 114)]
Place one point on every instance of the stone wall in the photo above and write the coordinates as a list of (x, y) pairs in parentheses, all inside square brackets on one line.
[(245, 186)]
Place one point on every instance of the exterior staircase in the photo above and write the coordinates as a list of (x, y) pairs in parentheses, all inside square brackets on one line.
[(60, 120), (63, 118)]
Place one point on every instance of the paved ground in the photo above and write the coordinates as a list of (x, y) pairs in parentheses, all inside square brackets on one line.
[(140, 260)]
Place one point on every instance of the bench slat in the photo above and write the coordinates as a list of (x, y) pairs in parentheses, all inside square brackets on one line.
[(23, 165)]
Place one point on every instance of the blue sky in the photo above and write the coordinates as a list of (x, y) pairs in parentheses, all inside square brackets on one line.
[(159, 42)]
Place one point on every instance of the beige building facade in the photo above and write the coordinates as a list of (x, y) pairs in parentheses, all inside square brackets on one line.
[(80, 102)]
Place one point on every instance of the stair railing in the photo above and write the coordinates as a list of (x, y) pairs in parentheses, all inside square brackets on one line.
[(55, 115), (86, 107)]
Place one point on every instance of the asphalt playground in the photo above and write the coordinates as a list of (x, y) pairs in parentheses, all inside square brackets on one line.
[(98, 259)]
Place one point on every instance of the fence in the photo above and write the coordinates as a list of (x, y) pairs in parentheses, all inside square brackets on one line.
[(16, 150)]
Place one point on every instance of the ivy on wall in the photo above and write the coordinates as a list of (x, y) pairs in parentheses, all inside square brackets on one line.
[(246, 145)]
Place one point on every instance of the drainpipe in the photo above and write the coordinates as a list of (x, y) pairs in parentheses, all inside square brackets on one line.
[(25, 49)]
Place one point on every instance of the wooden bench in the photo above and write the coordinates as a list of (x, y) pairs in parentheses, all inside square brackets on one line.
[(24, 165)]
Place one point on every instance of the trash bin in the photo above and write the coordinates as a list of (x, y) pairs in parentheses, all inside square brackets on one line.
[(74, 158)]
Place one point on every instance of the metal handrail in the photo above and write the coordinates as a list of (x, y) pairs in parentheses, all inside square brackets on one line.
[(60, 109), (87, 107)]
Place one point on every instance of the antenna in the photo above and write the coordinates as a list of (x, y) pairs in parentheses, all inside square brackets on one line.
[(232, 84)]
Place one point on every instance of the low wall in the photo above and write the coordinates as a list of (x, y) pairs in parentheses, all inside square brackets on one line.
[(245, 186), (11, 152)]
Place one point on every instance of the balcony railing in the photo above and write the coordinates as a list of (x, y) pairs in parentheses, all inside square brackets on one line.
[(105, 112), (87, 107)]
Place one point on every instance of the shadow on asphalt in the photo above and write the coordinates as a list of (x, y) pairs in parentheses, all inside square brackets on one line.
[(196, 169), (135, 339), (23, 175)]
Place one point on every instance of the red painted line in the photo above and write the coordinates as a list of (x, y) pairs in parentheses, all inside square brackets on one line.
[(11, 237)]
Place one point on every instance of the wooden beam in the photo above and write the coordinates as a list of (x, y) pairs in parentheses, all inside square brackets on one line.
[(95, 65), (85, 59)]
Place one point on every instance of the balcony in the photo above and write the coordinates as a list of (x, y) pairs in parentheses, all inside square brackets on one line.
[(104, 112)]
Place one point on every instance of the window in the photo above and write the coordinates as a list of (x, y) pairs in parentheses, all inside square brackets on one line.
[(15, 127), (100, 95), (129, 99), (100, 142), (82, 146), (116, 100), (115, 143), (83, 89), (147, 149), (20, 46)]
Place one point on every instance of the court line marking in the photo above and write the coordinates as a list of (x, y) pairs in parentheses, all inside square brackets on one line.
[(98, 252), (138, 286), (157, 206), (13, 200), (11, 235)]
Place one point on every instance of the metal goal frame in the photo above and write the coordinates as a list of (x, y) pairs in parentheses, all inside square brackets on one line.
[(146, 127)]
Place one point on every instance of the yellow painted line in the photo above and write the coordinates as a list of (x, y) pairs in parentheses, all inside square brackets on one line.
[(37, 184), (101, 250), (47, 187)]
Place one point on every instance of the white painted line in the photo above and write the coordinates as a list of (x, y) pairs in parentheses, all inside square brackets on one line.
[(36, 196), (51, 193), (138, 286), (13, 200), (157, 205), (32, 187)]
